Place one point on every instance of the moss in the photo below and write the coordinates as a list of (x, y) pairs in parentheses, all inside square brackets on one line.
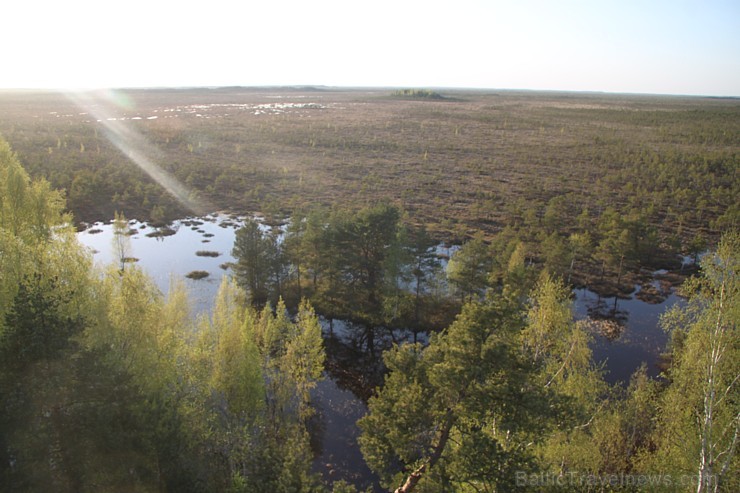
[(197, 274), (207, 253), (161, 232)]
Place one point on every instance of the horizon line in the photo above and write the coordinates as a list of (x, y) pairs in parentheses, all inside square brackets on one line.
[(326, 87)]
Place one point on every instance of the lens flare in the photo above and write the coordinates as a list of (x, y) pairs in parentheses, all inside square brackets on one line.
[(133, 144)]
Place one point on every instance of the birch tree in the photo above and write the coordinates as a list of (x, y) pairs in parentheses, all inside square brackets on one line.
[(699, 422), (121, 240)]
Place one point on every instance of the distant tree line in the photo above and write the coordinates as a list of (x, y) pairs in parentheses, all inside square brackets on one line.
[(417, 94)]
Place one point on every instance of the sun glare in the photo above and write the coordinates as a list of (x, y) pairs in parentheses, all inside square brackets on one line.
[(101, 105)]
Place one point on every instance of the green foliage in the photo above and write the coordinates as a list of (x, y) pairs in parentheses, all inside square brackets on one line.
[(517, 277), (236, 374), (36, 326), (304, 355), (580, 247), (698, 424), (555, 254), (153, 400), (353, 261), (254, 371), (609, 440), (684, 427), (697, 246), (365, 241), (425, 263), (107, 385), (550, 321), (468, 269), (28, 210), (464, 409), (509, 387), (121, 240), (252, 252), (44, 303), (260, 263), (44, 275), (30, 213)]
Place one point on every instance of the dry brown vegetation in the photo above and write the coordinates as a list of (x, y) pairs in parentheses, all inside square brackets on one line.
[(474, 161)]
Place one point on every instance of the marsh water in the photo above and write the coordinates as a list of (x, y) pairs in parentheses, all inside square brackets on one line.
[(340, 398)]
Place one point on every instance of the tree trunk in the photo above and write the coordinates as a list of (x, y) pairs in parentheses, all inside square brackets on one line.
[(417, 300), (370, 334), (413, 479), (570, 270), (706, 453), (298, 273)]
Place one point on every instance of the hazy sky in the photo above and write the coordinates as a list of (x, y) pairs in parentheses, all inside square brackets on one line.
[(646, 46)]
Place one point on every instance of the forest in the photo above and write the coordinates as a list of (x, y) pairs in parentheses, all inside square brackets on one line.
[(108, 384)]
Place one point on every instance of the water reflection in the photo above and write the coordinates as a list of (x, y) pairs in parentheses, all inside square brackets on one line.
[(169, 252), (334, 436), (637, 339), (354, 368), (352, 374)]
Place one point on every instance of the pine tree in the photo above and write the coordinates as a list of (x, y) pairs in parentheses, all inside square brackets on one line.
[(254, 262), (469, 268), (466, 409)]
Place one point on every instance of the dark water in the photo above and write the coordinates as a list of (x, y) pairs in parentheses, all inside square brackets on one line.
[(336, 432), (642, 340), (351, 372)]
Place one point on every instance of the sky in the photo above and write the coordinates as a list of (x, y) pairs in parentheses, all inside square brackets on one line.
[(627, 46)]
